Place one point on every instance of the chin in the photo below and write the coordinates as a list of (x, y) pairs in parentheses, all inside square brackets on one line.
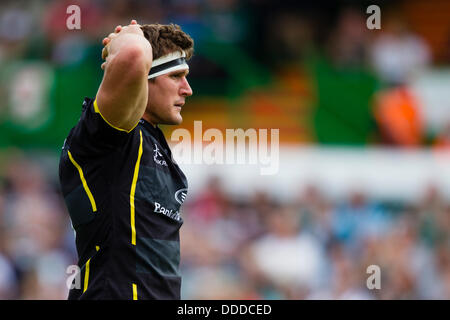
[(174, 121), (178, 119)]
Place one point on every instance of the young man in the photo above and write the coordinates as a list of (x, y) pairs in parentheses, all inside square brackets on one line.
[(121, 186)]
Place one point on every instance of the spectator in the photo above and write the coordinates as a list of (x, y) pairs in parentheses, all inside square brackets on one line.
[(398, 115), (397, 53), (287, 257)]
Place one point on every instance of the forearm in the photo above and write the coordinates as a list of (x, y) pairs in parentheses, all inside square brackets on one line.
[(122, 96)]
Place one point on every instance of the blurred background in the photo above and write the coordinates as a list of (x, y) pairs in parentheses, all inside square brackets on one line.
[(364, 131)]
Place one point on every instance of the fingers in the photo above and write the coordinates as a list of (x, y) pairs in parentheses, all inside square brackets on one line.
[(119, 28), (104, 52), (106, 40), (112, 35)]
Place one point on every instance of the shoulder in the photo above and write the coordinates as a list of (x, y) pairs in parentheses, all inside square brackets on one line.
[(93, 134)]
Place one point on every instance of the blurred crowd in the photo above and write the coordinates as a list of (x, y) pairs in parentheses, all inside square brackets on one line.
[(254, 247), (36, 240), (347, 84), (38, 29), (315, 247)]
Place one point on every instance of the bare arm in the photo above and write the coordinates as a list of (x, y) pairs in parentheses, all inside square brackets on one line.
[(123, 93)]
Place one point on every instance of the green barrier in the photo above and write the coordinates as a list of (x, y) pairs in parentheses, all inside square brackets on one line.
[(343, 112)]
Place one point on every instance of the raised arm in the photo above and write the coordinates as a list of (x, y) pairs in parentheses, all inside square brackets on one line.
[(122, 96)]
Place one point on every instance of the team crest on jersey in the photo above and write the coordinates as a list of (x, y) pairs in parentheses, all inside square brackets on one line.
[(158, 157)]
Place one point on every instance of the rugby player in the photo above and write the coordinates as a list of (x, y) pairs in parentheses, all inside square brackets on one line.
[(121, 186)]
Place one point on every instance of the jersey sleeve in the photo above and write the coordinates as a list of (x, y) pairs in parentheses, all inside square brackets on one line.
[(93, 134)]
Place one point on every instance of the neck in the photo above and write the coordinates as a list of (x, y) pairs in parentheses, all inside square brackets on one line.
[(147, 118)]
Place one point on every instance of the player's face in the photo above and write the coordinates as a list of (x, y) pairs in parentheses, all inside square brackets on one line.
[(166, 97)]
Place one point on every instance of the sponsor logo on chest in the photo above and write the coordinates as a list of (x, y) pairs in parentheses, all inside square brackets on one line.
[(170, 213), (158, 157), (180, 195)]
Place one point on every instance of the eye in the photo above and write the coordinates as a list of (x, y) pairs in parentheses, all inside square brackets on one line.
[(179, 75)]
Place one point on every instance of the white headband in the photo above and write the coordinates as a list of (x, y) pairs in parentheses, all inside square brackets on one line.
[(173, 61)]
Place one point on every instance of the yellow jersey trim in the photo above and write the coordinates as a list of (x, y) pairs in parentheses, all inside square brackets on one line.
[(86, 276), (86, 273), (97, 110), (132, 192), (83, 181), (135, 296)]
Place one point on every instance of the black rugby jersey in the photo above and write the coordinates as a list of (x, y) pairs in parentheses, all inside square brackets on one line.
[(123, 192)]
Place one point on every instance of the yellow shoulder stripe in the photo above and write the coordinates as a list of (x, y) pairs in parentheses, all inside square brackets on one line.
[(97, 110)]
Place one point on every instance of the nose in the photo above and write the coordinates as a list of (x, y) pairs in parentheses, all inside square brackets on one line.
[(185, 89)]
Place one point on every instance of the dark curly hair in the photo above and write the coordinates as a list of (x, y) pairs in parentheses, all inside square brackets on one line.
[(166, 38)]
